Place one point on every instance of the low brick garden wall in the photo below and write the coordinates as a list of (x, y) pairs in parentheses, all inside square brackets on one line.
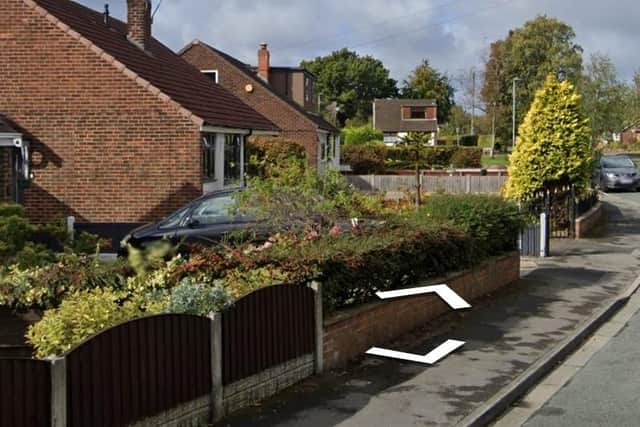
[(350, 333), (588, 221)]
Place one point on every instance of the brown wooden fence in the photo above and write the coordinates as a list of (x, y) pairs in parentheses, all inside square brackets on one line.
[(267, 328), (138, 369), (25, 393)]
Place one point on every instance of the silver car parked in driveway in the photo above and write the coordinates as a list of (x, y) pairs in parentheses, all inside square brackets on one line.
[(617, 172)]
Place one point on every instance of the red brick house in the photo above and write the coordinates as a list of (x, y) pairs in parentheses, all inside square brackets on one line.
[(630, 134), (285, 95), (115, 126)]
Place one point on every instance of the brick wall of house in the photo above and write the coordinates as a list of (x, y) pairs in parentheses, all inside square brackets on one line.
[(5, 175), (349, 334), (295, 126), (105, 149)]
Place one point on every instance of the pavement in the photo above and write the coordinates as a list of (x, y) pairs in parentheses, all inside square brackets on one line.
[(505, 333), (597, 385)]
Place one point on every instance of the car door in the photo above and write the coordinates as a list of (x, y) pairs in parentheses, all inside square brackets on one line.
[(210, 220)]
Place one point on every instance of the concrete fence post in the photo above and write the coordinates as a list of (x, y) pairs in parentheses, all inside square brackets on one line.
[(71, 223), (58, 392), (217, 391), (544, 231), (319, 353)]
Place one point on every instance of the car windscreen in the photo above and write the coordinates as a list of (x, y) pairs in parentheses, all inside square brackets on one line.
[(174, 220), (215, 210), (616, 162)]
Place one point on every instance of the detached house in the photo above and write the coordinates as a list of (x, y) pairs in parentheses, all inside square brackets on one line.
[(285, 95), (395, 118), (101, 121)]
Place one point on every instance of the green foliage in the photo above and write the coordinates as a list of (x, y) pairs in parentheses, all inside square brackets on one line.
[(493, 222), (352, 81), (541, 47), (360, 135), (467, 158), (198, 299), (604, 97), (266, 154), (469, 140), (554, 147), (425, 82), (365, 159), (86, 313), (46, 285), (296, 199), (400, 157), (15, 231)]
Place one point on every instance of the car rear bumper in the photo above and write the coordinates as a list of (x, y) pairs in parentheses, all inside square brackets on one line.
[(621, 184)]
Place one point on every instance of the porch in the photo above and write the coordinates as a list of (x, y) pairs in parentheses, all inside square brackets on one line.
[(14, 161)]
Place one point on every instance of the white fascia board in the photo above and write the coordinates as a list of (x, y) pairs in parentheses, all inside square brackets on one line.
[(218, 129)]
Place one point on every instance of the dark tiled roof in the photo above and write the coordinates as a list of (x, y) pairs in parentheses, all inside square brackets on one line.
[(161, 67), (317, 119), (388, 116)]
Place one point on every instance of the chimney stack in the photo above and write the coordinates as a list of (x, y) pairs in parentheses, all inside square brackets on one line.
[(139, 22), (264, 58)]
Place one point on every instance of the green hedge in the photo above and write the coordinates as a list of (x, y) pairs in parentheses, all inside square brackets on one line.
[(365, 159), (467, 158), (434, 157), (493, 222), (359, 135)]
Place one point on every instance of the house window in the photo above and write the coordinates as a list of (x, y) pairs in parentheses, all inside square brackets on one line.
[(233, 159), (209, 157), (212, 74)]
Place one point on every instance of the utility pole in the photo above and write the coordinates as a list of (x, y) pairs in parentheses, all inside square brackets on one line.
[(473, 101), (513, 130)]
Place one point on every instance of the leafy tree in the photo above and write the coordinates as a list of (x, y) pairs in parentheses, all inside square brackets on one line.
[(359, 135), (541, 47), (352, 81), (416, 142), (555, 146), (632, 102), (604, 96), (425, 82)]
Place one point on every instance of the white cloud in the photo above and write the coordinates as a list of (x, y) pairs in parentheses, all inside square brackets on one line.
[(452, 34)]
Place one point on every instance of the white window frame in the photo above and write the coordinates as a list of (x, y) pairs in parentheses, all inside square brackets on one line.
[(217, 74), (219, 137)]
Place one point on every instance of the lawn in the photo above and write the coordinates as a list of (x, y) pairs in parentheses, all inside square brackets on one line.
[(498, 159)]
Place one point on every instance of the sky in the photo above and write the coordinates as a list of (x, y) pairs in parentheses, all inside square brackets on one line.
[(453, 35)]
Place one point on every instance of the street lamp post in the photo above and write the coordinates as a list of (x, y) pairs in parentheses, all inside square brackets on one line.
[(513, 130)]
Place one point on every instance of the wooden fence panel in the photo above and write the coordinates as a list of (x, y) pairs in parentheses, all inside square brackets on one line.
[(266, 328), (455, 184), (25, 393), (139, 369)]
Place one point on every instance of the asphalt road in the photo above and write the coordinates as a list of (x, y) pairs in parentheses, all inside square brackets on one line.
[(606, 392)]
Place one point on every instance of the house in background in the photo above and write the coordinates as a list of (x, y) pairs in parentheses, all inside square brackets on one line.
[(630, 134), (285, 95), (395, 118), (121, 130)]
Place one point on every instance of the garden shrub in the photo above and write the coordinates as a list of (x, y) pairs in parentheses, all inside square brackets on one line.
[(198, 299), (45, 286), (491, 221), (365, 158), (467, 158), (360, 135), (86, 313), (265, 154), (400, 157), (469, 141)]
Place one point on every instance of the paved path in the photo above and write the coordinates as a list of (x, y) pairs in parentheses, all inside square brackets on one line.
[(598, 385), (505, 335)]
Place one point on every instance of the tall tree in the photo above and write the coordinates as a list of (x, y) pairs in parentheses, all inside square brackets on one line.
[(530, 53), (352, 81), (632, 102), (425, 82), (604, 96), (555, 145)]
